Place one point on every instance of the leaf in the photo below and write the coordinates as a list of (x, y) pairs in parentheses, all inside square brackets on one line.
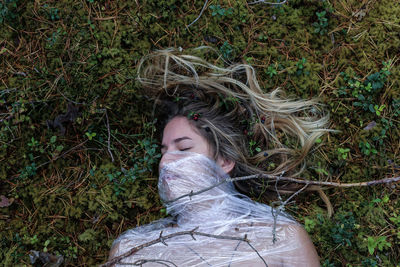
[(371, 108), (371, 245), (53, 139), (3, 50), (88, 235)]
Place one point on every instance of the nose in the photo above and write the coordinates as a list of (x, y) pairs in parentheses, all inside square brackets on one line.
[(169, 157)]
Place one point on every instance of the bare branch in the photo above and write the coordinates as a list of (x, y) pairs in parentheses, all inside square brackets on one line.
[(293, 180), (267, 3), (108, 140), (162, 239), (201, 13)]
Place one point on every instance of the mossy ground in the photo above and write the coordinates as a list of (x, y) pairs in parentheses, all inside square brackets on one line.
[(69, 197)]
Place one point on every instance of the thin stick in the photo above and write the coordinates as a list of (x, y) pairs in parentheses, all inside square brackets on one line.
[(291, 179), (63, 154), (267, 3), (281, 208), (294, 194), (162, 239), (143, 261), (108, 141), (201, 13)]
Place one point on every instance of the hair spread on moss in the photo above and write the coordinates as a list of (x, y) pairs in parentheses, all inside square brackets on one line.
[(263, 132)]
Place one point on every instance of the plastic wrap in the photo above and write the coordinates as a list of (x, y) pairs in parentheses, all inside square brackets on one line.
[(219, 211)]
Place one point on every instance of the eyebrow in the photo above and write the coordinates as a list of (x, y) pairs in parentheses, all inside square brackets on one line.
[(177, 140)]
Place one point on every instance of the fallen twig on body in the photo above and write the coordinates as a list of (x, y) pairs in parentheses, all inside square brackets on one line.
[(293, 180), (162, 239)]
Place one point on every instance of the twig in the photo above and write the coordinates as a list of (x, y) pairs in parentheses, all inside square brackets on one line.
[(162, 239), (109, 133), (70, 100), (63, 154), (108, 140), (143, 261), (294, 194), (201, 13), (293, 180), (255, 250), (267, 3), (281, 208)]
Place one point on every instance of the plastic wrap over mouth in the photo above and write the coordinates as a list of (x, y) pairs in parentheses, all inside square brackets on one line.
[(189, 173)]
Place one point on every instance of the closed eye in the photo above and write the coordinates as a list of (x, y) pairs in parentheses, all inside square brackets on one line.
[(184, 149)]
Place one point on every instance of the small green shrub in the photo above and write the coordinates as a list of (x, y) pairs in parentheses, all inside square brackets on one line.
[(321, 26), (219, 12), (343, 231)]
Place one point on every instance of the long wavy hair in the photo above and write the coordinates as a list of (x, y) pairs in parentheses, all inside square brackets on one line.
[(262, 132)]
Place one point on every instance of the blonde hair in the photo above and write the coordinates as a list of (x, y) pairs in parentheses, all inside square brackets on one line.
[(230, 102)]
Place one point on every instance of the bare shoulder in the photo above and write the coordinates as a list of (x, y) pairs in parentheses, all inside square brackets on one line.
[(306, 250)]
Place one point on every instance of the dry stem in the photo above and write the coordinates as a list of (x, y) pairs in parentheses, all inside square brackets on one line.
[(162, 239), (293, 180)]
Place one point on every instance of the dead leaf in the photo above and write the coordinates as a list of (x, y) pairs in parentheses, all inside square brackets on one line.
[(47, 259), (370, 125), (5, 202), (360, 14)]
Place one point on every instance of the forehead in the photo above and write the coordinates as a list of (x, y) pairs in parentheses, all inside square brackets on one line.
[(178, 127)]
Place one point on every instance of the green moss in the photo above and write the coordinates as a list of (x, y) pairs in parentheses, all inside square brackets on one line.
[(87, 52)]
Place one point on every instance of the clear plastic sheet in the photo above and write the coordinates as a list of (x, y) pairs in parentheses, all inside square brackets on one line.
[(219, 211)]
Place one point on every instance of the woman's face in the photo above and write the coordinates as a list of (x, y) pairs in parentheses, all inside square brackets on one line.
[(179, 135)]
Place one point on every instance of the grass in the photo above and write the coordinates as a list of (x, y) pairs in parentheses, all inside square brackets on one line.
[(69, 196)]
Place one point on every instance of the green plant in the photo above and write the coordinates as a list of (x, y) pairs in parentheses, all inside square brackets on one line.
[(271, 71), (55, 149), (226, 50), (342, 153), (90, 135), (52, 13), (327, 263), (366, 91), (309, 224), (119, 179), (320, 170), (7, 10), (300, 65), (33, 143), (369, 263), (252, 148), (220, 12), (262, 37), (46, 244), (378, 109), (395, 219), (343, 231), (321, 26), (32, 240), (28, 171), (151, 153), (367, 148), (228, 102), (396, 107), (377, 242)]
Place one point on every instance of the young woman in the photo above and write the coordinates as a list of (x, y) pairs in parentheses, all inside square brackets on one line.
[(218, 123)]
